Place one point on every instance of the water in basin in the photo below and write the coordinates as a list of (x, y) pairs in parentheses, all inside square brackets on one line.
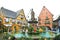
[(18, 35)]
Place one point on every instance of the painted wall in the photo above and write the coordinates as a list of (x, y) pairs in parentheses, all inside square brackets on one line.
[(21, 17), (42, 17)]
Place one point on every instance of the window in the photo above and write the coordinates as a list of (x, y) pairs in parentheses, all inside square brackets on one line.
[(24, 23), (7, 19), (13, 21), (47, 22), (21, 18), (47, 18), (19, 22), (39, 19), (22, 15), (39, 23)]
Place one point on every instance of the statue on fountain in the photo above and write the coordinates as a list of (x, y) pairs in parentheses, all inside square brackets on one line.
[(33, 21)]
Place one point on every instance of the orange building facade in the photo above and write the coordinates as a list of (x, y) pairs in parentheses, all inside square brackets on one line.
[(45, 18)]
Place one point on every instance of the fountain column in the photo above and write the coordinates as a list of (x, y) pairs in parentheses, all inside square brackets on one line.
[(33, 21)]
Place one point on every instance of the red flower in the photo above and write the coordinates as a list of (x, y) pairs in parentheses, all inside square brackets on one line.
[(34, 30)]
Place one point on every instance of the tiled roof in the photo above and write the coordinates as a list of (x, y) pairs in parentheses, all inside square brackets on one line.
[(8, 13)]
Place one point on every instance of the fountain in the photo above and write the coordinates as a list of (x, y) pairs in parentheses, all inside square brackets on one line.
[(33, 21)]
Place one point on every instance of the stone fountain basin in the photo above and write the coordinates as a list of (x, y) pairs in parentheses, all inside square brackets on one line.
[(32, 21), (19, 35)]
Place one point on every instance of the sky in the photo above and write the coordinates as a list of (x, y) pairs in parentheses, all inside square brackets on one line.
[(52, 5)]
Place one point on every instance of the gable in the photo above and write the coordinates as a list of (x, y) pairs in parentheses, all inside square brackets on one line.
[(21, 15), (45, 12)]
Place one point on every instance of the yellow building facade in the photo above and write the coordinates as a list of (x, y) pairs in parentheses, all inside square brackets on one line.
[(21, 17), (9, 18)]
